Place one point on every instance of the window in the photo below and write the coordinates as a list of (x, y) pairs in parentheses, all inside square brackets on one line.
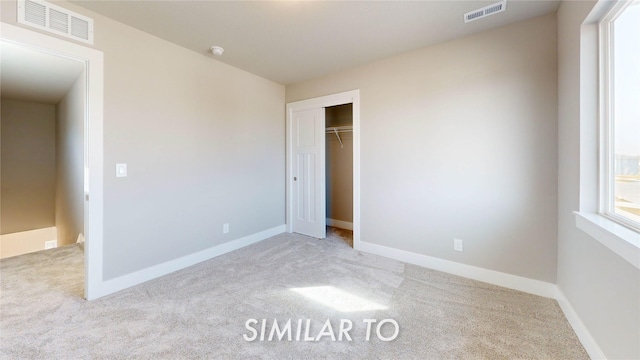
[(620, 105)]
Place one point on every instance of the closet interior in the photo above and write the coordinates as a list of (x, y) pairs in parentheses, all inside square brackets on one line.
[(339, 170)]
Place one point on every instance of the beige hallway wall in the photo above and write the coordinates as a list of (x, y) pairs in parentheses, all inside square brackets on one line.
[(28, 166), (69, 208)]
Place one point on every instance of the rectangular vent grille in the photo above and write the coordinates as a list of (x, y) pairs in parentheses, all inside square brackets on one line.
[(36, 13), (55, 19), (58, 21), (485, 11)]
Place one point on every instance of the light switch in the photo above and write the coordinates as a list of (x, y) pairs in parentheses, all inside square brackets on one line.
[(121, 170)]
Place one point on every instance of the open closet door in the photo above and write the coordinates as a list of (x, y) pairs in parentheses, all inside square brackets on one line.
[(309, 206)]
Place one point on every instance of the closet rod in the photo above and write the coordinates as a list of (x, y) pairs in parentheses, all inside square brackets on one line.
[(337, 130), (333, 129)]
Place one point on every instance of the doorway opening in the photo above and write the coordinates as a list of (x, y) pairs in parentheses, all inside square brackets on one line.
[(91, 186), (43, 102), (307, 205)]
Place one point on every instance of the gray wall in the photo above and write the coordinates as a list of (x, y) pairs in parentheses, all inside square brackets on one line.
[(204, 144), (339, 174), (603, 288), (28, 166), (70, 164), (459, 141)]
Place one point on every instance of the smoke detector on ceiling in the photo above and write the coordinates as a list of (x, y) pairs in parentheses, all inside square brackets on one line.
[(217, 50), (485, 11)]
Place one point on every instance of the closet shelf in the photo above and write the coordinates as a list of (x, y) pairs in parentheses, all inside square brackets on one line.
[(337, 130)]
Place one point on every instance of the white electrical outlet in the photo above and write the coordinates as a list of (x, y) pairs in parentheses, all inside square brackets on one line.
[(457, 245), (50, 244), (225, 228)]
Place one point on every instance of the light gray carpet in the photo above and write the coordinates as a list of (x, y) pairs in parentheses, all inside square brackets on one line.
[(200, 312)]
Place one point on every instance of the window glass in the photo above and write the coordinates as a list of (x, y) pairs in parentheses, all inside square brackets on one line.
[(625, 113)]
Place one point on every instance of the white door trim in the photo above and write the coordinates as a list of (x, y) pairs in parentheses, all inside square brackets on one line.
[(94, 65), (346, 97)]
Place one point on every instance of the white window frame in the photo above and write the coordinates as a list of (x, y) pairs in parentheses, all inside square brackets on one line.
[(606, 148), (618, 238)]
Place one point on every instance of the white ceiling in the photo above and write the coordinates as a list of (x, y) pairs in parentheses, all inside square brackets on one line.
[(292, 41), (31, 75)]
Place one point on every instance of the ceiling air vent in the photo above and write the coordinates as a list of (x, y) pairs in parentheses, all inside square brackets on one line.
[(485, 11), (55, 19)]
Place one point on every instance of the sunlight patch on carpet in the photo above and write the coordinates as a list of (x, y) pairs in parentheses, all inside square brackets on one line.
[(338, 299)]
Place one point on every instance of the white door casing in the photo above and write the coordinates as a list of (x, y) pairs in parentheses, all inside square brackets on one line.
[(309, 206), (94, 77)]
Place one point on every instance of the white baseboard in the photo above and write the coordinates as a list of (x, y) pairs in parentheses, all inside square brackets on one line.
[(514, 282), (589, 343), (26, 241), (138, 277), (340, 224)]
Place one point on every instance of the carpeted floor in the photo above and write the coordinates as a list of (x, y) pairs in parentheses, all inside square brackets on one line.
[(201, 312)]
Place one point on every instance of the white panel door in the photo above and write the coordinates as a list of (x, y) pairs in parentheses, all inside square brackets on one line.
[(309, 207)]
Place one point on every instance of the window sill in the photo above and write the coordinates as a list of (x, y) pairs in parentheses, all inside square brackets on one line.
[(619, 239)]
